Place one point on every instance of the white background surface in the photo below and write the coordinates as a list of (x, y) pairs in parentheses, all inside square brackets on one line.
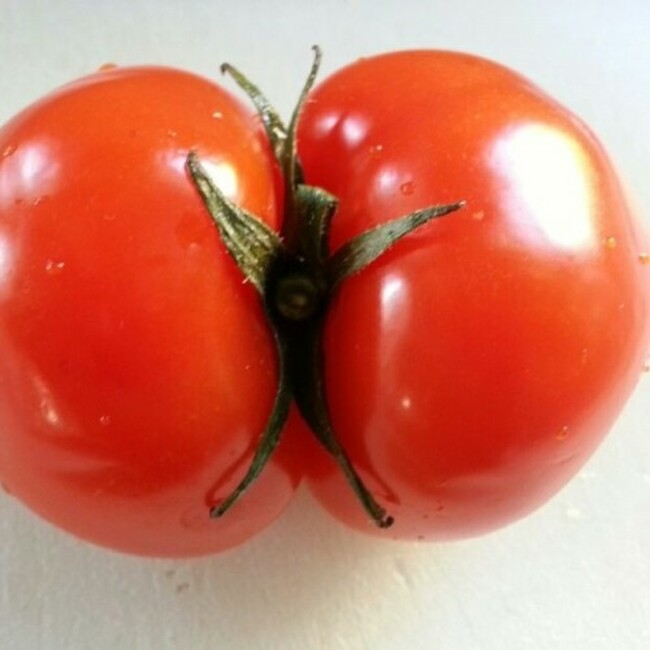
[(574, 576)]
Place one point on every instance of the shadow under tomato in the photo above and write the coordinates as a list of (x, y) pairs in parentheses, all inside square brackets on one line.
[(307, 582), (306, 578)]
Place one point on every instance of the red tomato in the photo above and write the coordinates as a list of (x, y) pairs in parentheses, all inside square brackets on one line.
[(476, 366), (137, 370)]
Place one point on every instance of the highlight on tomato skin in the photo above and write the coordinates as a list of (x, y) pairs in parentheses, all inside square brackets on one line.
[(476, 367), (136, 369)]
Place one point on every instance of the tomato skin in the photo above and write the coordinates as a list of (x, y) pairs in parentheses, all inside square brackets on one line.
[(474, 368), (137, 370)]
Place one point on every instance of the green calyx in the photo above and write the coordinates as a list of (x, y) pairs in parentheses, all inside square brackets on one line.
[(296, 276)]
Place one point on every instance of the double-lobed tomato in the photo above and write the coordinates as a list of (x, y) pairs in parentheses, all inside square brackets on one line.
[(469, 372), (473, 369)]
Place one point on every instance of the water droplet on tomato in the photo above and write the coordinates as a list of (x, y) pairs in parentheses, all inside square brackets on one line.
[(376, 149), (38, 200), (406, 403), (171, 133), (407, 188), (217, 115), (562, 434), (611, 242), (644, 258), (9, 150), (104, 420), (106, 67), (53, 267)]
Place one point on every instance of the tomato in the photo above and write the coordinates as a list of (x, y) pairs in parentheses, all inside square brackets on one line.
[(460, 366), (474, 368), (137, 369)]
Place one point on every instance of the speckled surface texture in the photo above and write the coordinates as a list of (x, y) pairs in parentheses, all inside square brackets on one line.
[(574, 576)]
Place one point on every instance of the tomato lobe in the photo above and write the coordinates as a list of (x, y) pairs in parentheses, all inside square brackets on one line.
[(137, 368), (476, 366)]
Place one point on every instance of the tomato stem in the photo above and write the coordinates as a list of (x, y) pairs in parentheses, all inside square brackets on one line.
[(276, 131), (282, 139), (364, 249), (269, 438), (251, 243), (296, 278), (307, 374)]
